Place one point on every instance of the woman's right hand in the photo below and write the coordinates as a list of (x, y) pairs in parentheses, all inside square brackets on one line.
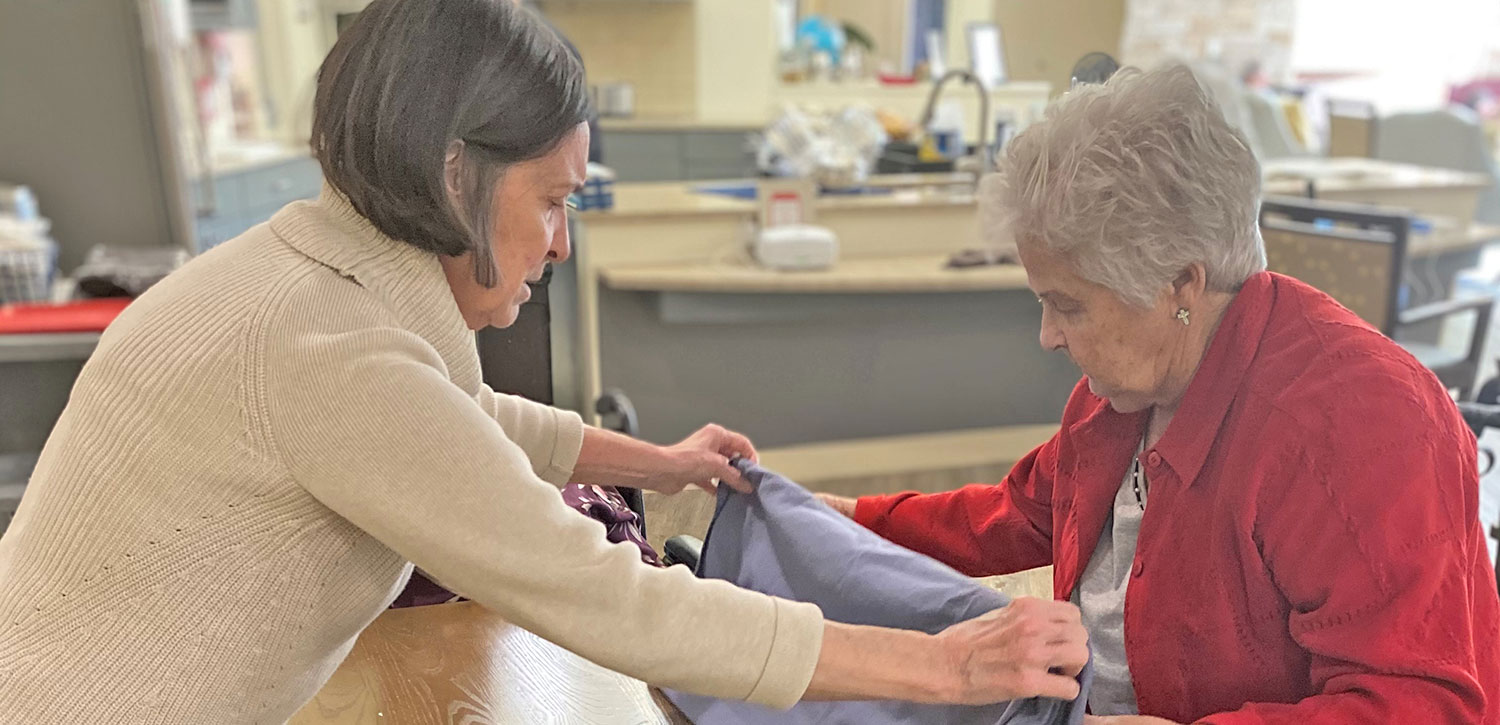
[(1030, 648), (1033, 647)]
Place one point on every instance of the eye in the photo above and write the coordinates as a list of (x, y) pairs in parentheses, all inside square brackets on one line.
[(1066, 308)]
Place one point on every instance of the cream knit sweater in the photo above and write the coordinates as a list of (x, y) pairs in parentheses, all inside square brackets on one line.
[(258, 452)]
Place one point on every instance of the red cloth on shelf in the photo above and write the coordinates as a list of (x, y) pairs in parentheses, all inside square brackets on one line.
[(78, 316)]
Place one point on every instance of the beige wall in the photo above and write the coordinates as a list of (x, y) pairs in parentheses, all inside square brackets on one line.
[(958, 15), (1233, 31), (736, 59), (1043, 39), (652, 45)]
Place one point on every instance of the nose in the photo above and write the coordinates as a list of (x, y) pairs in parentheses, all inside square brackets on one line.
[(561, 247), (1051, 337)]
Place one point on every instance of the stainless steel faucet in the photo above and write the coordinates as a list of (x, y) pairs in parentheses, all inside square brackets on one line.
[(986, 163)]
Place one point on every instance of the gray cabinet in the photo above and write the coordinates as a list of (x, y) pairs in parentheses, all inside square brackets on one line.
[(246, 197), (678, 155), (15, 469)]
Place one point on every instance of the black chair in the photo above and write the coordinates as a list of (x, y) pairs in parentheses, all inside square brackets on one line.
[(1357, 254), (618, 414), (1479, 416)]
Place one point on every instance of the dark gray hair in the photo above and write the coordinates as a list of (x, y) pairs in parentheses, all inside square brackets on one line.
[(410, 77)]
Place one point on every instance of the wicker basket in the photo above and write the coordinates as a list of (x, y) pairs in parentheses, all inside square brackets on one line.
[(26, 274)]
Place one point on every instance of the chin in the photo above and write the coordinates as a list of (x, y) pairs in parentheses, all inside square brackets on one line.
[(1126, 403), (1121, 403), (505, 318)]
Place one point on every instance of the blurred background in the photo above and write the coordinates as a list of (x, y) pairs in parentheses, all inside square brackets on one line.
[(780, 231)]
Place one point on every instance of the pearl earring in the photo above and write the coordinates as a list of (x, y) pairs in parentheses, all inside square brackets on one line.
[(1182, 314)]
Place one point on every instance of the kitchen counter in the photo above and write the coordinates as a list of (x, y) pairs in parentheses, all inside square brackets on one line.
[(1446, 240), (849, 276), (667, 198), (888, 342), (675, 198), (680, 123), (1290, 176), (1428, 192)]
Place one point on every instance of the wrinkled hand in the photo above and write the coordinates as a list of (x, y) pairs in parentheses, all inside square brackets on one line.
[(841, 504), (702, 460), (1125, 720), (1031, 648)]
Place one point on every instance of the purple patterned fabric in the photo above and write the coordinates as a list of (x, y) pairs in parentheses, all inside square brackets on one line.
[(605, 505)]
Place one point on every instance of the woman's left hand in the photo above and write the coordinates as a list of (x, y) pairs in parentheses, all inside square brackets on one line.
[(1125, 720), (702, 459)]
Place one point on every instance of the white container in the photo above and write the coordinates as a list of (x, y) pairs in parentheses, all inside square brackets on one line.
[(794, 247)]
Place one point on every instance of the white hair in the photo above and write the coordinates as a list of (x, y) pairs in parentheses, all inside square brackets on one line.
[(1133, 181)]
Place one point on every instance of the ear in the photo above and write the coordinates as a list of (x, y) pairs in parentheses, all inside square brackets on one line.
[(453, 169), (1190, 284)]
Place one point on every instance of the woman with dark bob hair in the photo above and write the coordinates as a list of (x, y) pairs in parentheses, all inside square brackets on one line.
[(265, 443)]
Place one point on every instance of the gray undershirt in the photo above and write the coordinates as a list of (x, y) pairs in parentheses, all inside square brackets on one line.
[(1100, 595)]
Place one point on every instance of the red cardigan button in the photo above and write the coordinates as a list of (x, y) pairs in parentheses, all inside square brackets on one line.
[(1153, 458), (1138, 569)]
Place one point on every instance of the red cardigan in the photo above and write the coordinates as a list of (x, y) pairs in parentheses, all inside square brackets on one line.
[(1312, 551)]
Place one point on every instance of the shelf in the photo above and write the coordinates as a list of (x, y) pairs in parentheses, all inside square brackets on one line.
[(48, 347)]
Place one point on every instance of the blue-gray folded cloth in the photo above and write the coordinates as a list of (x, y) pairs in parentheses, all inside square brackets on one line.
[(781, 540)]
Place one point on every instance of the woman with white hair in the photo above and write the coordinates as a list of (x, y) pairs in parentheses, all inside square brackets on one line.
[(1265, 509)]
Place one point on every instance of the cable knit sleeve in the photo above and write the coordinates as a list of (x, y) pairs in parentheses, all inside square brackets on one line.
[(365, 419), (551, 437)]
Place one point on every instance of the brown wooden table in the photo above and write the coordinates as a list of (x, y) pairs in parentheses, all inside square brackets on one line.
[(461, 663)]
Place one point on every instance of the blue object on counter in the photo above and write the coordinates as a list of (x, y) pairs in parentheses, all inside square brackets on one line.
[(737, 191), (820, 33), (747, 191), (596, 194), (948, 144)]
